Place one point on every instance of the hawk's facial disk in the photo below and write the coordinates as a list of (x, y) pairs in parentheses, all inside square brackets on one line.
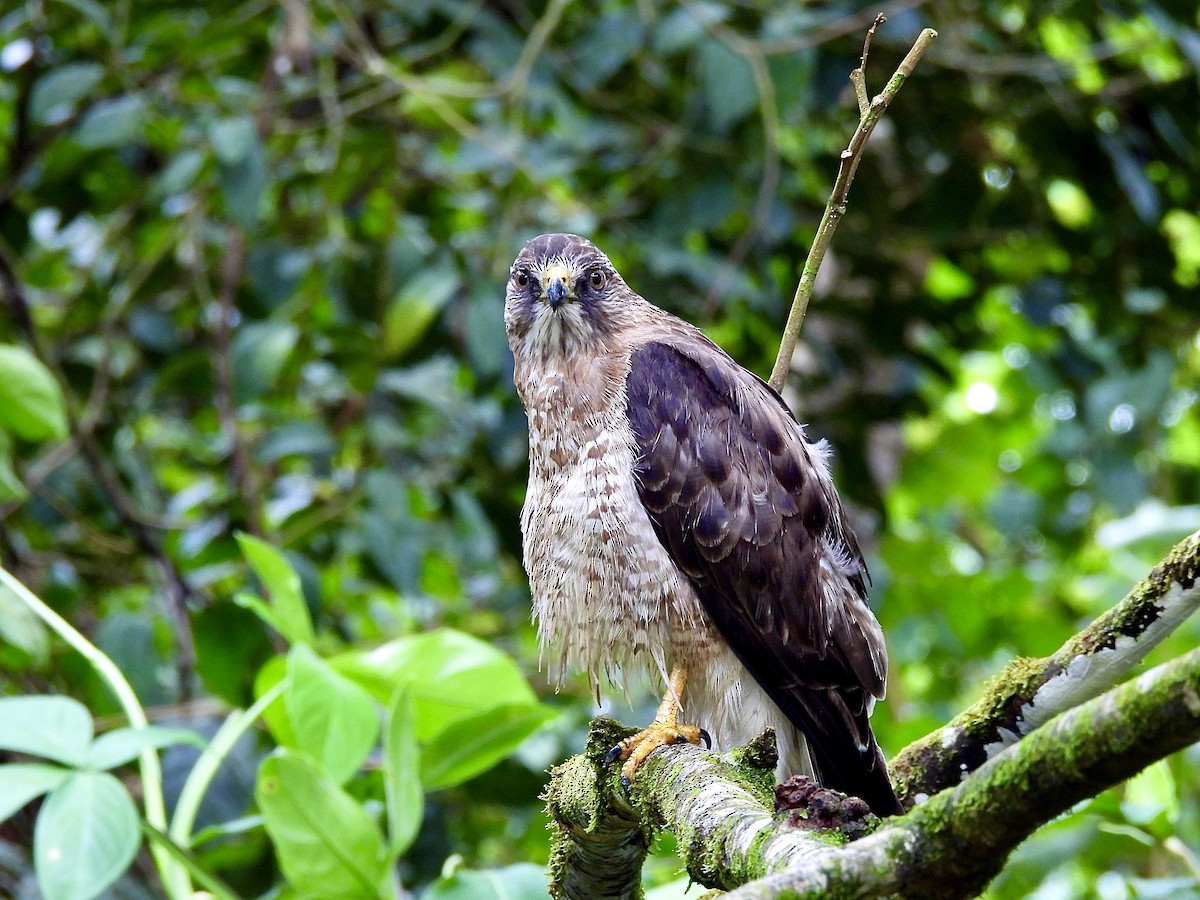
[(559, 294)]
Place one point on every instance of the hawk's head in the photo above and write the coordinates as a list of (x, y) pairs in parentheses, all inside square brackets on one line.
[(563, 295)]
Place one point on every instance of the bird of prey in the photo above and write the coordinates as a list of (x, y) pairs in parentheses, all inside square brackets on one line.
[(679, 518)]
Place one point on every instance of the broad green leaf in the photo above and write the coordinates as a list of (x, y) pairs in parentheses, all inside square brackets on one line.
[(728, 85), (86, 836), (58, 91), (415, 307), (233, 139), (259, 351), (325, 841), (21, 782), (401, 773), (124, 744), (288, 611), (473, 745), (31, 404), (453, 676), (54, 727), (334, 720), (523, 881), (113, 123)]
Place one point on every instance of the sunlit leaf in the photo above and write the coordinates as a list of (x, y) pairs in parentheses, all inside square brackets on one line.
[(22, 782), (475, 744), (325, 841), (117, 747), (401, 773), (334, 720), (522, 881), (31, 404), (287, 611), (86, 835), (53, 727), (453, 676)]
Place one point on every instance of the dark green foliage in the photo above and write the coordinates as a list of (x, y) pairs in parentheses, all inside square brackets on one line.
[(261, 248)]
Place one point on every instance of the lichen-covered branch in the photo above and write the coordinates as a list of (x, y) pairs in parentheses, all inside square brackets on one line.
[(1030, 692), (956, 843), (1050, 733), (718, 807)]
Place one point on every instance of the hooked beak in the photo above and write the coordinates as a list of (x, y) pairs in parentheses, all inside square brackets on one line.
[(556, 291)]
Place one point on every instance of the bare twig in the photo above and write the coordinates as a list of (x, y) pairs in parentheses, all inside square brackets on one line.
[(241, 471), (836, 208)]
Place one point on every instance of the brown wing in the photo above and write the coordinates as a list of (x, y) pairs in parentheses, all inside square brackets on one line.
[(744, 508)]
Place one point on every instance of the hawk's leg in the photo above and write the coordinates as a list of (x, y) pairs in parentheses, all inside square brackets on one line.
[(665, 729)]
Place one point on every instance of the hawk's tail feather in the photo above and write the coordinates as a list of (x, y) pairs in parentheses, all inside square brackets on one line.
[(842, 746)]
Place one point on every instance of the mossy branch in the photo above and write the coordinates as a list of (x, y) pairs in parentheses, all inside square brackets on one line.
[(1053, 733), (1030, 692), (952, 846), (870, 112)]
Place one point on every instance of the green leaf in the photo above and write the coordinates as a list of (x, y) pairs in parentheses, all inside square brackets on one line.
[(415, 307), (31, 404), (523, 881), (233, 139), (946, 281), (113, 123), (21, 627), (728, 85), (325, 841), (334, 720), (453, 676), (275, 716), (57, 728), (288, 611), (259, 351), (11, 487), (124, 744), (401, 773), (86, 836), (473, 745), (21, 782), (56, 93)]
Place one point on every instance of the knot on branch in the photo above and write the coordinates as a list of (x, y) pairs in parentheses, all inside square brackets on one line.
[(810, 807)]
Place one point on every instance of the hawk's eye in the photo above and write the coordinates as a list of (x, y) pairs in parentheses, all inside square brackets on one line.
[(522, 279), (596, 279)]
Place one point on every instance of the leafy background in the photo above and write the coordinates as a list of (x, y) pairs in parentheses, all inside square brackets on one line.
[(260, 251)]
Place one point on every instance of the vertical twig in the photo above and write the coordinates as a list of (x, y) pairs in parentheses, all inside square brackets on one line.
[(870, 112), (241, 471)]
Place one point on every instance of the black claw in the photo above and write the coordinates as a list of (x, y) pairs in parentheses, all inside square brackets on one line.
[(613, 755), (625, 785), (706, 739)]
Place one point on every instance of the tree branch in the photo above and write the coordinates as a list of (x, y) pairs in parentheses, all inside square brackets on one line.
[(719, 810), (956, 843), (836, 207), (1030, 692)]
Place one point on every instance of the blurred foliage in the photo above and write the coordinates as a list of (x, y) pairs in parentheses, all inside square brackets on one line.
[(262, 248)]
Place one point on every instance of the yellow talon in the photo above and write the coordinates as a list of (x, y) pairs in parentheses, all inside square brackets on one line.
[(664, 730)]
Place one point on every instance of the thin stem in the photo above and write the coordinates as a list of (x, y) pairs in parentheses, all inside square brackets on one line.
[(152, 794), (836, 207), (235, 725)]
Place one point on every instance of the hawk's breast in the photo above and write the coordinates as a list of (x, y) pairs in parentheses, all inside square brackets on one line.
[(605, 591)]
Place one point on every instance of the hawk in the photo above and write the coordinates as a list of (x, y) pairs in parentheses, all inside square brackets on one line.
[(679, 518)]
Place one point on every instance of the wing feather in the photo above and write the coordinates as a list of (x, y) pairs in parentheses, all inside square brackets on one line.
[(744, 505)]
